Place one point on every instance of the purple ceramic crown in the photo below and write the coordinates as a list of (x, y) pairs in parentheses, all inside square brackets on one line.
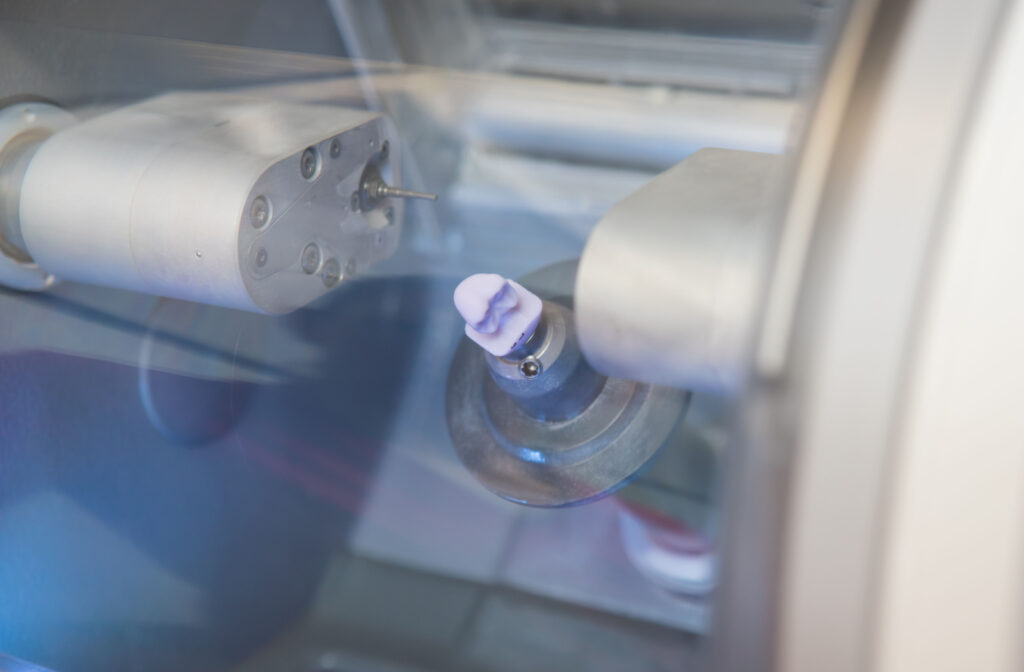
[(500, 314)]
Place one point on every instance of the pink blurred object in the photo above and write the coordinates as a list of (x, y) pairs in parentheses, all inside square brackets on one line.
[(500, 314), (668, 552)]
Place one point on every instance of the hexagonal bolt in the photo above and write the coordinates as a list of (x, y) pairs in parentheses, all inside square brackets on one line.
[(529, 367)]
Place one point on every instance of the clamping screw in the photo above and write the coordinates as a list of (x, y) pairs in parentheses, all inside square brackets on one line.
[(529, 367)]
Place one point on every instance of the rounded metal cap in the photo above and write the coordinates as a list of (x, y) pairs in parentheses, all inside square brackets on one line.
[(23, 127)]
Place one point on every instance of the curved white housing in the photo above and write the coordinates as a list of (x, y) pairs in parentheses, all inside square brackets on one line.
[(667, 287)]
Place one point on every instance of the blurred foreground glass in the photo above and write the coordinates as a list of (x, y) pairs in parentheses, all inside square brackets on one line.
[(185, 486)]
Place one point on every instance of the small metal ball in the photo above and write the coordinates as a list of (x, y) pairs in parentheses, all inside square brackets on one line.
[(529, 367)]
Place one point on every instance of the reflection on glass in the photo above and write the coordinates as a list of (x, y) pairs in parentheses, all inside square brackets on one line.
[(225, 439)]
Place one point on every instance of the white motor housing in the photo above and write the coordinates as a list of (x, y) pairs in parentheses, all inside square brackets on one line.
[(251, 204)]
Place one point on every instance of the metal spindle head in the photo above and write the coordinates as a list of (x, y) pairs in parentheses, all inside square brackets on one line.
[(373, 189)]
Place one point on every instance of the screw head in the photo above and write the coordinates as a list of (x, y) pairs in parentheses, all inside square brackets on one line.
[(331, 273), (259, 212), (529, 367), (311, 259), (261, 257), (309, 163), (335, 149)]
